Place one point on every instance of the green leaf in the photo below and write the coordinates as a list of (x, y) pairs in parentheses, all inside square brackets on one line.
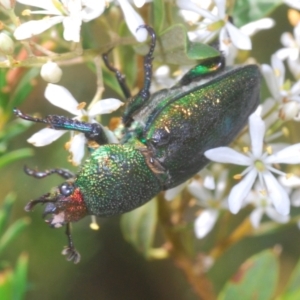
[(246, 11), (12, 232), (6, 285), (20, 277), (174, 47), (138, 227), (15, 155), (292, 290), (256, 279), (158, 15), (5, 211), (23, 89)]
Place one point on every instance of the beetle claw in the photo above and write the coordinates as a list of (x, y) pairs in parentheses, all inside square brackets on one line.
[(71, 254)]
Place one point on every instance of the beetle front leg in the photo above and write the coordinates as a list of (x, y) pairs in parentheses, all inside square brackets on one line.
[(70, 251), (92, 131)]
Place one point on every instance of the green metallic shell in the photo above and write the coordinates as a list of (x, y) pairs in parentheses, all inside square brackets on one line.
[(183, 122), (116, 179)]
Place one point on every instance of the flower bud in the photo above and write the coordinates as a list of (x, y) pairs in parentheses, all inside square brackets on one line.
[(51, 72), (289, 110), (6, 44), (8, 4)]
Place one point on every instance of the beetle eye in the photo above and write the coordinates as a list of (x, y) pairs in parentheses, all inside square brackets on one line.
[(66, 189)]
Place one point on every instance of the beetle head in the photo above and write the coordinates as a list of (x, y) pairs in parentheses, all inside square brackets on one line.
[(65, 203)]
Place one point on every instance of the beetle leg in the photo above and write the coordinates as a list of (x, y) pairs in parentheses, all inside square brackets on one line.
[(120, 77), (136, 102), (66, 174), (92, 131), (70, 251)]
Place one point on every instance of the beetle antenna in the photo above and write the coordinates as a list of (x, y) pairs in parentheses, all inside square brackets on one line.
[(19, 114)]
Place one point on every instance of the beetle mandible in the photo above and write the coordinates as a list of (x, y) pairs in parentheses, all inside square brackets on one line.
[(165, 137)]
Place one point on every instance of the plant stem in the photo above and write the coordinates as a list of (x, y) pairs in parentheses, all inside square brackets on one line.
[(178, 252)]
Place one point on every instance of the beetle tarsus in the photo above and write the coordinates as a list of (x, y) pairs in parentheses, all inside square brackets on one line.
[(144, 92), (119, 76)]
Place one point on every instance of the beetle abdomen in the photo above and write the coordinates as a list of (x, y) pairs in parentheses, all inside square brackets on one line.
[(116, 179), (206, 117)]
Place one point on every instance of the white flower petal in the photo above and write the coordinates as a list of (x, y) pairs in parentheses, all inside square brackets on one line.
[(221, 184), (289, 155), (188, 5), (45, 137), (199, 192), (72, 26), (239, 192), (45, 4), (284, 53), (133, 21), (170, 194), (295, 198), (275, 216), (255, 217), (291, 182), (257, 132), (61, 97), (293, 3), (105, 106), (31, 28), (209, 182), (205, 222), (271, 81), (277, 194), (92, 9), (227, 155), (278, 69), (77, 148), (253, 27), (238, 38), (221, 5)]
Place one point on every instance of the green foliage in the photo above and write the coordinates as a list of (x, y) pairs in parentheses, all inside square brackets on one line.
[(13, 283), (246, 11), (256, 279), (139, 225), (174, 47)]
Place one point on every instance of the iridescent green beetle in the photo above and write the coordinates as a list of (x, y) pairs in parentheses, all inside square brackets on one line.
[(165, 137)]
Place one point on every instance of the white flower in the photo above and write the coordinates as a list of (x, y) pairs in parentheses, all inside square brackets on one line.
[(212, 201), (263, 205), (72, 13), (217, 22), (61, 97), (69, 12), (291, 45), (288, 96), (259, 165)]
